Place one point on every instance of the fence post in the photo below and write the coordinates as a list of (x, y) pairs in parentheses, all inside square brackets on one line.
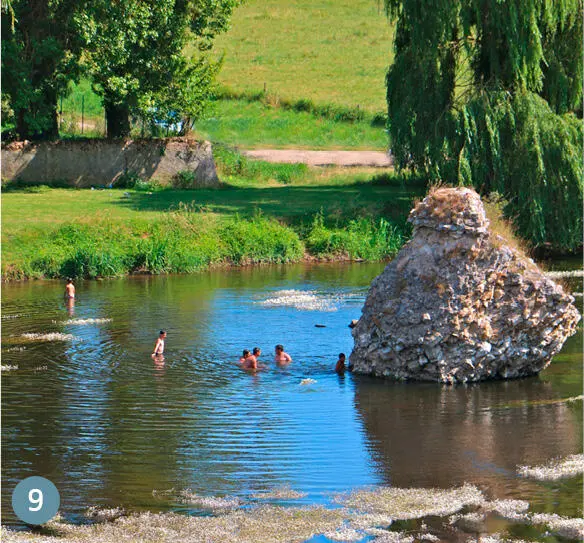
[(82, 111)]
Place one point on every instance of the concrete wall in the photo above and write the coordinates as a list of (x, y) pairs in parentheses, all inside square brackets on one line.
[(101, 162)]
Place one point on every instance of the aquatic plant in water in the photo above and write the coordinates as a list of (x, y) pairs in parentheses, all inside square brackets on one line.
[(411, 503), (371, 513), (284, 492), (555, 469)]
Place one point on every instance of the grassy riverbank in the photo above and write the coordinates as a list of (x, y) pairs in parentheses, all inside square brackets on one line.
[(263, 213)]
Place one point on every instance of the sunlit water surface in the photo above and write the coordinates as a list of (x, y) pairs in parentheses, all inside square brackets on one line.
[(88, 408)]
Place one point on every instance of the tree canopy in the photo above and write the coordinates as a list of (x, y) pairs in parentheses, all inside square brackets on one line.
[(40, 55), (489, 93), (134, 52)]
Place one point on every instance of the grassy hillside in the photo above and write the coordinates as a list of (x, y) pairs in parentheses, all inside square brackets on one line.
[(329, 51), (325, 53)]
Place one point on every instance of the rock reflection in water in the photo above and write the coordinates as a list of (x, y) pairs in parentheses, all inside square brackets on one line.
[(424, 435)]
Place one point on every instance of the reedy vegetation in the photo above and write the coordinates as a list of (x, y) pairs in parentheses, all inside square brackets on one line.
[(250, 220), (489, 93)]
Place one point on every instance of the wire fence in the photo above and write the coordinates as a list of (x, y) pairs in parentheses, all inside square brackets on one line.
[(81, 118)]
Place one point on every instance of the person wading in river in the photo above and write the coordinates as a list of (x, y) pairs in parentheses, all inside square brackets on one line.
[(69, 289), (340, 368), (159, 346), (251, 362), (244, 356), (281, 358)]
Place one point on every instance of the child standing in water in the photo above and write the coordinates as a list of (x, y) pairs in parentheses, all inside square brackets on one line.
[(159, 346), (281, 357), (340, 367), (244, 356), (69, 289)]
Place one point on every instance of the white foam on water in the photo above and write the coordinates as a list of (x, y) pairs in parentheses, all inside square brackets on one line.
[(15, 316), (52, 336), (302, 300), (8, 367), (82, 322), (306, 382), (555, 469), (16, 349)]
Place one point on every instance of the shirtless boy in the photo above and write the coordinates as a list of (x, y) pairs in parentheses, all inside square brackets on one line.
[(251, 362), (340, 367), (159, 346), (281, 357), (69, 289), (244, 356)]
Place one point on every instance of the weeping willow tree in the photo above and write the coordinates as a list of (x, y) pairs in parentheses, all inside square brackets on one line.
[(489, 93)]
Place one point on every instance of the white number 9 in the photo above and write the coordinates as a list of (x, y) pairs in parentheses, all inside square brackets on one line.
[(35, 496)]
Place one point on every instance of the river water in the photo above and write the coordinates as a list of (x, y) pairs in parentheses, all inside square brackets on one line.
[(84, 405)]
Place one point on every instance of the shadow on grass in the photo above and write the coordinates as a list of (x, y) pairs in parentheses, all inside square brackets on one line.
[(380, 196)]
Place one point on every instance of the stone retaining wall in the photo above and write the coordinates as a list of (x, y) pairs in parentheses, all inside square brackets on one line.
[(101, 162)]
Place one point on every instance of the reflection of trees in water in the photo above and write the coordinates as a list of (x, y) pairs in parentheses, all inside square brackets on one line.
[(428, 435)]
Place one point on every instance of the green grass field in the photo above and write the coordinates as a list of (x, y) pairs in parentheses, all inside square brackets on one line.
[(253, 125), (263, 213), (330, 51)]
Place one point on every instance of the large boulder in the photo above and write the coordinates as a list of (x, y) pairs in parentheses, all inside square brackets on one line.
[(458, 304)]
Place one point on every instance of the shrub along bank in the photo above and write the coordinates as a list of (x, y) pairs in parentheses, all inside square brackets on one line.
[(185, 241), (265, 213)]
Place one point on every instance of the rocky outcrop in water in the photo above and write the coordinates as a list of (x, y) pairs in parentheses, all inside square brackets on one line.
[(458, 304)]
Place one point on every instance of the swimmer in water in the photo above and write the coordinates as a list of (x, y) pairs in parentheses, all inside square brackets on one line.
[(282, 358), (159, 346), (69, 289), (244, 356), (251, 362), (340, 367)]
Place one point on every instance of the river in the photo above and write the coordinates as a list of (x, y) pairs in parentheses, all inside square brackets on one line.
[(84, 405)]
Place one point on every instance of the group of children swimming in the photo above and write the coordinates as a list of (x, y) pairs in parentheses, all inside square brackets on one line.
[(248, 360)]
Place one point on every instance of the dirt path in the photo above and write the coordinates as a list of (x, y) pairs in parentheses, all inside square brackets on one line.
[(377, 159)]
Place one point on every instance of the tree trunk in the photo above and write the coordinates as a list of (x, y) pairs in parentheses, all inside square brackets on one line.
[(117, 117)]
